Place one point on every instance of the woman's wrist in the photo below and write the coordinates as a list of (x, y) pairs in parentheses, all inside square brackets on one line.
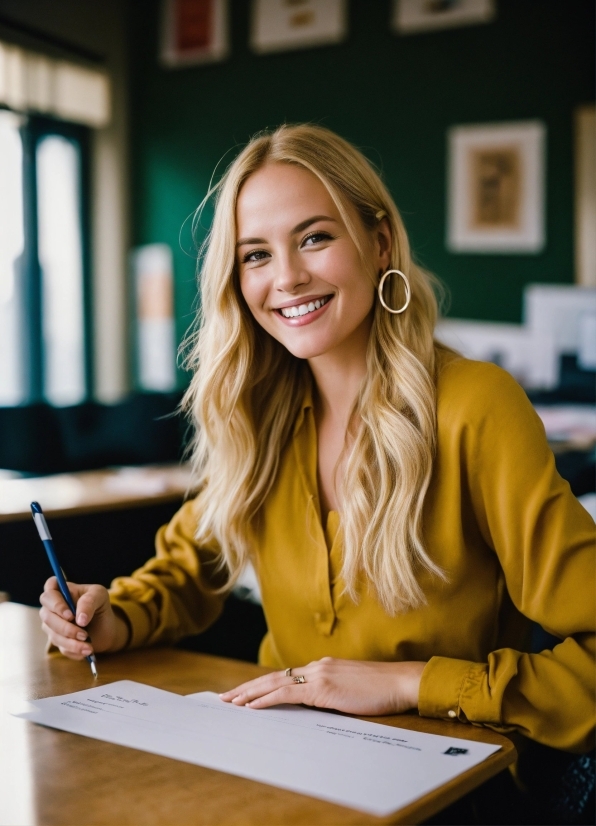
[(410, 676), (121, 633)]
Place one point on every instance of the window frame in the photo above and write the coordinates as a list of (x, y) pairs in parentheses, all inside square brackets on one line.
[(33, 130)]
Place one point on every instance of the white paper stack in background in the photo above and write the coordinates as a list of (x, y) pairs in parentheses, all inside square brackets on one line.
[(367, 766)]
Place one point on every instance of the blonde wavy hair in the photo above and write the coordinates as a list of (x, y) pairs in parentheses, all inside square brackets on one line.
[(247, 388)]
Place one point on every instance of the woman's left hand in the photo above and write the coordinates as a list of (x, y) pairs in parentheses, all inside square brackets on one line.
[(351, 686)]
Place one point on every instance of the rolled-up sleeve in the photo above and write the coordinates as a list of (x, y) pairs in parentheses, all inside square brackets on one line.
[(175, 593)]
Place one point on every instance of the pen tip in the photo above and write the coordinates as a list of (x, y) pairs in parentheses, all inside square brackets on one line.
[(35, 507), (93, 669)]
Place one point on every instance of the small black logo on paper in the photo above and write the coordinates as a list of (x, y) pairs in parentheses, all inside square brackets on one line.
[(453, 750)]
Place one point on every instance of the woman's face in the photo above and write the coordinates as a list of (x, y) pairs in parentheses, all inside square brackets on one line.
[(300, 272)]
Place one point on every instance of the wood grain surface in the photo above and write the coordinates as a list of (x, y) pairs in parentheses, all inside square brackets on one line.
[(93, 491), (60, 779)]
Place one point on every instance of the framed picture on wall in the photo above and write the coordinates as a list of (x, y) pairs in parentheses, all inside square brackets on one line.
[(194, 32), (585, 195), (496, 188), (279, 25), (411, 16)]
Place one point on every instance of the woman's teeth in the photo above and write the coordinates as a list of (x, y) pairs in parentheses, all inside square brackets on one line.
[(304, 309)]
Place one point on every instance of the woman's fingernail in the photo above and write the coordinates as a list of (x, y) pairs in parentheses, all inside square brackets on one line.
[(67, 614), (87, 650), (81, 636), (82, 619)]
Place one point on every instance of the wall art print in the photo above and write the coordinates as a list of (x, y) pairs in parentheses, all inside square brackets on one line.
[(496, 187), (280, 25), (194, 32)]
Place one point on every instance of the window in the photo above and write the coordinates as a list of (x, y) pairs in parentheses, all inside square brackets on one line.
[(44, 319), (12, 240), (61, 262)]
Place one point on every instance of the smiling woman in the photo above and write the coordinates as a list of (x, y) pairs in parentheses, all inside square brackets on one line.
[(314, 221), (400, 503)]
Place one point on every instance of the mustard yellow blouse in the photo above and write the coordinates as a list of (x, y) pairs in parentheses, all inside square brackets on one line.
[(515, 543)]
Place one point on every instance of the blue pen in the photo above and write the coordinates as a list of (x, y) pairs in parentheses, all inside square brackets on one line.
[(46, 538)]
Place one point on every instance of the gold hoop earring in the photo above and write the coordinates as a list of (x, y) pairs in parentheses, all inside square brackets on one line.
[(408, 291)]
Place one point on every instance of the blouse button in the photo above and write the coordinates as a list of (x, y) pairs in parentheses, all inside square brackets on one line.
[(451, 713)]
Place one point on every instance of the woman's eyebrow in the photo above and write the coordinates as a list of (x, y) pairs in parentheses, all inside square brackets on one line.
[(304, 224), (298, 228), (242, 241)]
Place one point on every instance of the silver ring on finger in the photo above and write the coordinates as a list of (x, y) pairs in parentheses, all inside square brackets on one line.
[(299, 678)]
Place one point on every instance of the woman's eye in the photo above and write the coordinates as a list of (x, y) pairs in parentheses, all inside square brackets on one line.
[(254, 255), (316, 238)]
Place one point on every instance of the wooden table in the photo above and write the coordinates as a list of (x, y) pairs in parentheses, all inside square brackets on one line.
[(93, 491), (53, 777)]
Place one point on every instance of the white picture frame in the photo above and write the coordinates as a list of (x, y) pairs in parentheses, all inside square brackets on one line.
[(281, 25), (496, 187), (414, 16), (194, 32)]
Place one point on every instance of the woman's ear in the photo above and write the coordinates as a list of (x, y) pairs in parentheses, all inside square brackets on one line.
[(382, 245)]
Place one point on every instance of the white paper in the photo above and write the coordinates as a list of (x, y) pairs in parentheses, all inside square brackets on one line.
[(367, 766)]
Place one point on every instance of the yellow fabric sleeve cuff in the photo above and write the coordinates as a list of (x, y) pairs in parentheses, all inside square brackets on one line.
[(137, 619), (455, 689)]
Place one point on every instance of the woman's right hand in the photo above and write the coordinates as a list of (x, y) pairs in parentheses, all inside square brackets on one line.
[(95, 618)]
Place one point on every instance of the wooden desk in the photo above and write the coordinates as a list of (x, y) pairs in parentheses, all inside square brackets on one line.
[(55, 778), (73, 494)]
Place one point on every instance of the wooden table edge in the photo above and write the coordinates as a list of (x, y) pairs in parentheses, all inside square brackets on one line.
[(437, 800), (99, 507)]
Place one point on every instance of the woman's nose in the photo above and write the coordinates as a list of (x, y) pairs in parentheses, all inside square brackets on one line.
[(289, 274)]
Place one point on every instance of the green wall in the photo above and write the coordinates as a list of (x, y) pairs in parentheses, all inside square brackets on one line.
[(394, 97)]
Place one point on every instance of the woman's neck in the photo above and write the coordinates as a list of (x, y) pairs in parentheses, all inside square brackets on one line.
[(338, 377)]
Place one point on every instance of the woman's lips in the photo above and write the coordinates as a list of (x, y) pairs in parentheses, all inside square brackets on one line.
[(301, 320)]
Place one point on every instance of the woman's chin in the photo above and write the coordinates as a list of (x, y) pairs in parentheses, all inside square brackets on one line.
[(305, 350)]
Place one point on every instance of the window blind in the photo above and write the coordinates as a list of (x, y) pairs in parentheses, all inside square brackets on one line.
[(37, 83)]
